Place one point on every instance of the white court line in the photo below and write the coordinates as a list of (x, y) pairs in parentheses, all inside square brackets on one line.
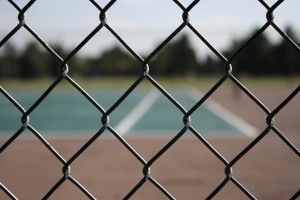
[(140, 109), (226, 115)]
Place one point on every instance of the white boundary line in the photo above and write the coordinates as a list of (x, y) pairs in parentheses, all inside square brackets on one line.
[(149, 99), (140, 109), (226, 115)]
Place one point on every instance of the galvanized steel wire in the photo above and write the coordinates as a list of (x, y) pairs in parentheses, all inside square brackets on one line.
[(145, 74)]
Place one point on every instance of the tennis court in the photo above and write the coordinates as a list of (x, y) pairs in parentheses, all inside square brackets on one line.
[(144, 113)]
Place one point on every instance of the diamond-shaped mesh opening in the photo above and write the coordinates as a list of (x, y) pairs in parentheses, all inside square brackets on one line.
[(188, 54), (188, 174), (140, 27), (108, 58), (264, 163), (226, 21), (64, 109), (26, 59), (116, 179), (60, 27), (161, 124), (225, 106), (27, 159)]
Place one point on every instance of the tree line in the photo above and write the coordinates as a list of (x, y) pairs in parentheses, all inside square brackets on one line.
[(262, 57)]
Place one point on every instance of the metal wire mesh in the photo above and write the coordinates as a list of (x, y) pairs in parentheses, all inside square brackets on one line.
[(146, 75)]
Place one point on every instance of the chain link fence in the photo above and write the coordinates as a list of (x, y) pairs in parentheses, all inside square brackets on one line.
[(145, 75)]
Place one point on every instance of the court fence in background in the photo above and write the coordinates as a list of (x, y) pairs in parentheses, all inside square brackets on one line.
[(146, 75)]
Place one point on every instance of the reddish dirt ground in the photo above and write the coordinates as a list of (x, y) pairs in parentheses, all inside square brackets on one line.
[(188, 170)]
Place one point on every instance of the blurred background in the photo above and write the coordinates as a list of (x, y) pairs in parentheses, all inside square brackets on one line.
[(144, 24), (189, 170)]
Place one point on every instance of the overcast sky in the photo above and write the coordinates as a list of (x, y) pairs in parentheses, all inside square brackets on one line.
[(144, 23)]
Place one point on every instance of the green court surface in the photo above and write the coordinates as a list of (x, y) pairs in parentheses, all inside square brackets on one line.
[(142, 113)]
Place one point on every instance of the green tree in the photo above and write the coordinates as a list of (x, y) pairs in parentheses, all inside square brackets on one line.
[(255, 58), (32, 62), (285, 57), (176, 58), (53, 67), (211, 65), (8, 61), (113, 61)]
